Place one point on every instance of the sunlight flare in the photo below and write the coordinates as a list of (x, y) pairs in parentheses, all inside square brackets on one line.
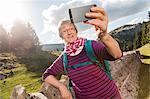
[(11, 10)]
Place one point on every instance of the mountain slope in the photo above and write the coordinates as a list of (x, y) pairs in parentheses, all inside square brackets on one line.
[(131, 37)]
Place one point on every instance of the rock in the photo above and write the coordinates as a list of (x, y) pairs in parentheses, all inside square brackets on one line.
[(1, 64), (125, 72), (4, 60), (9, 66), (19, 92), (50, 91), (46, 91), (3, 76), (36, 95), (9, 74)]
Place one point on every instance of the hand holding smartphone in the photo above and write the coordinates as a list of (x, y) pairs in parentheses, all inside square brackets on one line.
[(78, 14), (96, 17)]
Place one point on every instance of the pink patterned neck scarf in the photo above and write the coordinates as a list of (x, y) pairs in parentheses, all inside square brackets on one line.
[(75, 47)]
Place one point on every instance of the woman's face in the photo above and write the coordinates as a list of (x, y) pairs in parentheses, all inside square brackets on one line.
[(69, 33)]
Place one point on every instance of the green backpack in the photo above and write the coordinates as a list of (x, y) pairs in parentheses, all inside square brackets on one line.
[(90, 53)]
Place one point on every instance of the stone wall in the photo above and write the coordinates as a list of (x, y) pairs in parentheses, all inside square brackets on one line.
[(125, 72)]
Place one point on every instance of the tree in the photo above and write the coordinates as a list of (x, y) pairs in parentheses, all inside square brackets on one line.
[(145, 36), (33, 38), (24, 39), (4, 39)]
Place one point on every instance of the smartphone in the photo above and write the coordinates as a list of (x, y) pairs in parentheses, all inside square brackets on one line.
[(78, 14)]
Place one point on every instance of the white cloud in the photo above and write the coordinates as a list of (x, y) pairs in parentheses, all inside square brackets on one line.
[(55, 13), (89, 34), (121, 8), (136, 20), (116, 9)]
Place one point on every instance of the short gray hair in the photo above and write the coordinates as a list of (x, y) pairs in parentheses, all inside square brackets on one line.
[(62, 22)]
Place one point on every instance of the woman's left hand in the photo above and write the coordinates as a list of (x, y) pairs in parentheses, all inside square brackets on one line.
[(99, 20)]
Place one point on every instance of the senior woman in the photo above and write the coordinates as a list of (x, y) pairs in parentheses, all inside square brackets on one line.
[(89, 81)]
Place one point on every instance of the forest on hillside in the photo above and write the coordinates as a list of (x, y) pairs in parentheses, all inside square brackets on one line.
[(131, 37)]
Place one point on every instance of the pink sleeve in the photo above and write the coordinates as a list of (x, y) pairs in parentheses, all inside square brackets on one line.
[(55, 68), (101, 51)]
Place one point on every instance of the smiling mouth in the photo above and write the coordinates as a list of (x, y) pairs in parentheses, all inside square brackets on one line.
[(70, 37)]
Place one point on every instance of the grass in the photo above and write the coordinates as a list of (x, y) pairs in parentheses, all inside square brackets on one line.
[(146, 61), (57, 53), (145, 50), (21, 76), (28, 73), (144, 74), (144, 81)]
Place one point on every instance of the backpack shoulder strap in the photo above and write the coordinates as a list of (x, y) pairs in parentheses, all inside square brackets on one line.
[(93, 58), (90, 53), (89, 50), (65, 62), (107, 65)]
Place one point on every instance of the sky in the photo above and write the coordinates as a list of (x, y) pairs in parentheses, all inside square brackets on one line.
[(44, 15)]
